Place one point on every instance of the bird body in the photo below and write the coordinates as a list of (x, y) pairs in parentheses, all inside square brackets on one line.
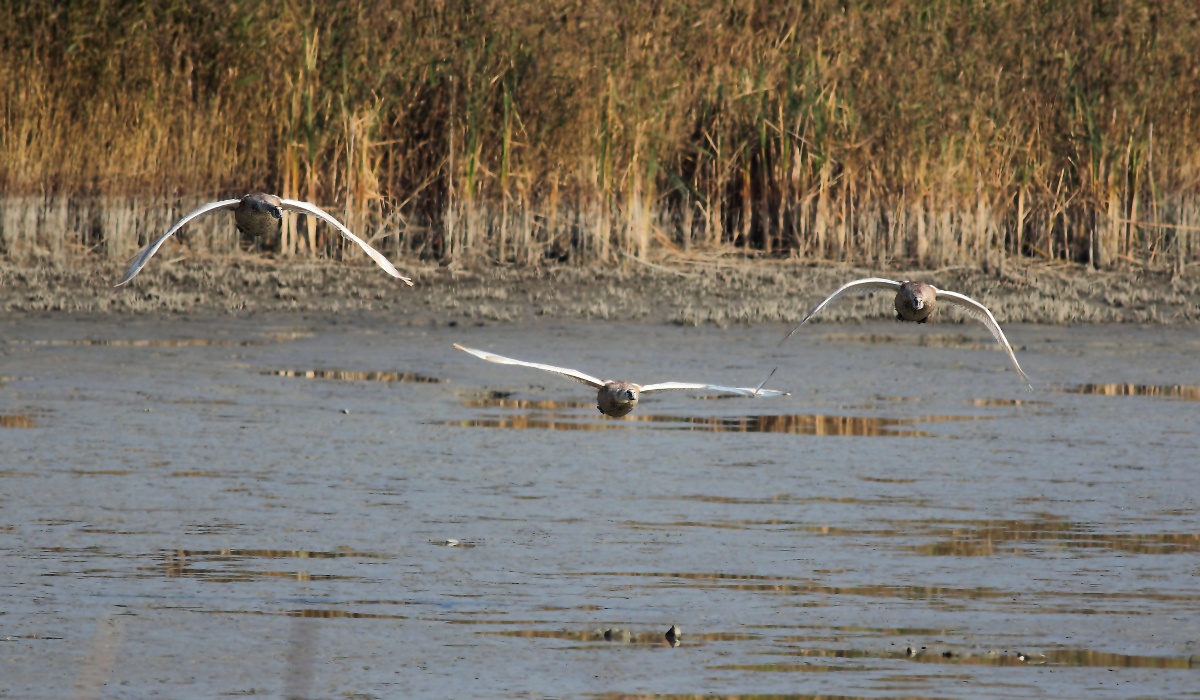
[(618, 398), (916, 302), (260, 215)]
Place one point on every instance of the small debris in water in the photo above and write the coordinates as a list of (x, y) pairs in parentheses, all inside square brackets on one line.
[(1031, 658), (451, 542), (674, 636), (617, 634)]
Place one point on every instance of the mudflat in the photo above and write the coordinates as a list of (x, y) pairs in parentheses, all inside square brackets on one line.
[(696, 291)]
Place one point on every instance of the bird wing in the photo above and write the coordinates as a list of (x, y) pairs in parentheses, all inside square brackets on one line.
[(569, 373), (864, 285), (763, 383), (981, 312), (313, 210), (143, 256), (685, 386)]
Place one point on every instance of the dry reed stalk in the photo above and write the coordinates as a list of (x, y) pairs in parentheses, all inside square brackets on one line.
[(942, 131)]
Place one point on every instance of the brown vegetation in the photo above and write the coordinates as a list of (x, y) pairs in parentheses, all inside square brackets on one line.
[(932, 132)]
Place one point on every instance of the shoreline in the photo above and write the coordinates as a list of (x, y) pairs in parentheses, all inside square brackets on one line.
[(720, 292)]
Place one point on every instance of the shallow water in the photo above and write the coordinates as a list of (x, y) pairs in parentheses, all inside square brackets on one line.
[(310, 506)]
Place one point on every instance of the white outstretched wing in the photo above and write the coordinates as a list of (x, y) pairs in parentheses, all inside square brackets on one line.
[(868, 284), (569, 373), (313, 210), (981, 312), (685, 386), (148, 252)]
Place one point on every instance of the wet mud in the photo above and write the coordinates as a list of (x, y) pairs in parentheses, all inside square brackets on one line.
[(721, 291), (342, 505)]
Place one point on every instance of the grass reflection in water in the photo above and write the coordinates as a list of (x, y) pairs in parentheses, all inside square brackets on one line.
[(1186, 392), (992, 537), (17, 421), (229, 565), (354, 376), (953, 654), (561, 415)]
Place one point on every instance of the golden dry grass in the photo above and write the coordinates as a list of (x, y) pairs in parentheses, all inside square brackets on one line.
[(935, 132)]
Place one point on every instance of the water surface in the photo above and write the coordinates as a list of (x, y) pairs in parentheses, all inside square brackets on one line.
[(324, 506)]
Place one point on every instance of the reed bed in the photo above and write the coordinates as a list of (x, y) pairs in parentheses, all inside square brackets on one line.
[(931, 132)]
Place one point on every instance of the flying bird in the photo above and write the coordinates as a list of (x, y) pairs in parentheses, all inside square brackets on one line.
[(617, 398), (916, 301), (258, 214)]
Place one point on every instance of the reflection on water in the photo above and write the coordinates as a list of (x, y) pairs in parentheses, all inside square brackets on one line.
[(317, 613), (144, 342), (17, 421), (788, 498), (331, 614), (618, 634), (771, 584), (818, 594), (843, 426), (263, 338), (464, 544), (236, 554), (987, 538), (557, 415), (925, 340), (1008, 402), (503, 400), (1171, 391), (349, 375), (194, 473), (185, 563), (755, 696), (248, 576), (1102, 659), (945, 654)]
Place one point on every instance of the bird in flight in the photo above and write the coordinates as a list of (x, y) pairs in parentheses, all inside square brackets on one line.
[(258, 214), (617, 398), (916, 301)]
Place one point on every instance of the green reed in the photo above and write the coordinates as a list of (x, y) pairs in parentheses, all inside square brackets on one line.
[(935, 132)]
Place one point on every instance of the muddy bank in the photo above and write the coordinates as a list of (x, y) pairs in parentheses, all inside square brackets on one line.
[(718, 292)]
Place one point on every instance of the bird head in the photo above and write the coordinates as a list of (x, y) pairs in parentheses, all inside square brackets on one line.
[(264, 203), (617, 398)]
